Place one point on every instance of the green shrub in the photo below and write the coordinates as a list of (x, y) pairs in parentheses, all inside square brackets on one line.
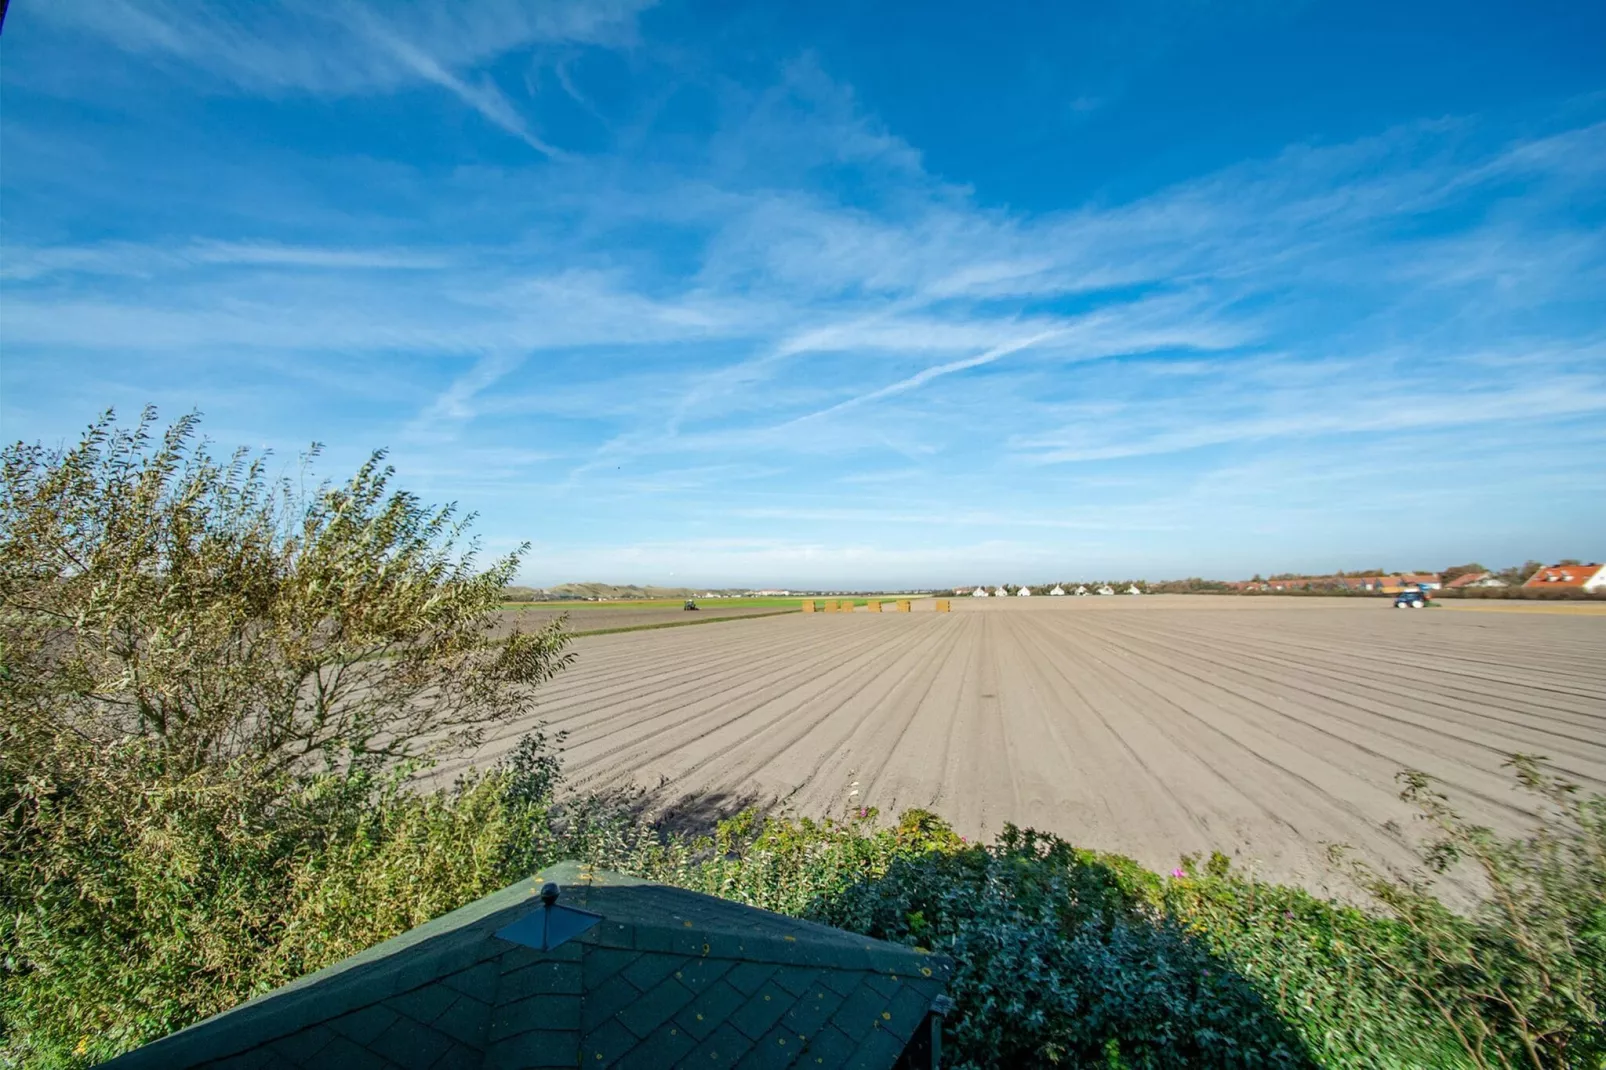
[(1522, 980), (1314, 962), (1066, 957), (212, 687)]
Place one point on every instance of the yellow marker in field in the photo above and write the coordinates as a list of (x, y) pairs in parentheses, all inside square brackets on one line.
[(873, 606), (942, 606), (903, 605), (828, 605), (808, 605)]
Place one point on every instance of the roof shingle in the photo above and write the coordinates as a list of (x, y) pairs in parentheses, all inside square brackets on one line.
[(669, 978)]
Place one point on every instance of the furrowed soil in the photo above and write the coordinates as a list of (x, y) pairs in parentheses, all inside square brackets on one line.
[(1264, 728)]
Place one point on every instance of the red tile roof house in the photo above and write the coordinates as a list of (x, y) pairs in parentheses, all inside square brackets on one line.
[(1591, 577), (1474, 579)]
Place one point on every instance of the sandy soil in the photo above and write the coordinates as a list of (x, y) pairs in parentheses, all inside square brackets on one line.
[(1154, 726)]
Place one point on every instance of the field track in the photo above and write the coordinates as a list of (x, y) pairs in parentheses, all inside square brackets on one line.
[(1155, 726)]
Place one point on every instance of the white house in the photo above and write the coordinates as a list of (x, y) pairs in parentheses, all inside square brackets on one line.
[(1057, 591), (979, 592), (1024, 592), (1133, 589), (1081, 590), (1001, 593), (1106, 589)]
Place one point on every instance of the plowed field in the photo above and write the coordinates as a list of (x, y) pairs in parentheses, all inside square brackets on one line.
[(1155, 726)]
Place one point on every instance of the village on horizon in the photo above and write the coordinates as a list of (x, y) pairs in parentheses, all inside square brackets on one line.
[(1532, 578)]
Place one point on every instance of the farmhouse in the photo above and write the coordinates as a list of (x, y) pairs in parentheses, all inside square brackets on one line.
[(1133, 589), (1474, 579), (1024, 592), (1081, 590), (979, 592), (1590, 577), (1001, 593), (1106, 589), (597, 969), (1057, 591)]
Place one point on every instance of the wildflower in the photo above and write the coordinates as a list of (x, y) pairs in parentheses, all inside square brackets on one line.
[(1178, 872)]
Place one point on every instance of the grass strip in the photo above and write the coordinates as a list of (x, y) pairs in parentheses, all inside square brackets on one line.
[(683, 623)]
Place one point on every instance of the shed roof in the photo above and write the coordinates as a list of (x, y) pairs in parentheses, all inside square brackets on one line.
[(668, 978)]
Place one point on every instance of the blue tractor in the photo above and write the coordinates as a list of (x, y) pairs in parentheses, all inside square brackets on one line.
[(1411, 598)]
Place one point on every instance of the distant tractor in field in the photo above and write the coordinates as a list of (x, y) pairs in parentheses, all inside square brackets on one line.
[(1411, 598), (690, 606)]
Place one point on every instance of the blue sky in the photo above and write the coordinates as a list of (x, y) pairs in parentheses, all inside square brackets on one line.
[(842, 293)]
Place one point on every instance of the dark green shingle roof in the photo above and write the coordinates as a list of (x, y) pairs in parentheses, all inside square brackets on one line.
[(668, 978)]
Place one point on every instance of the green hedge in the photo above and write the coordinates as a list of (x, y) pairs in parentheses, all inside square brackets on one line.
[(143, 912), (1528, 594)]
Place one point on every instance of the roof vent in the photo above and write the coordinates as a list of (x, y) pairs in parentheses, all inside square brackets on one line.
[(551, 926)]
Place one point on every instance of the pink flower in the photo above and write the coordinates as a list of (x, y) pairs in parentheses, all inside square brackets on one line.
[(1178, 873)]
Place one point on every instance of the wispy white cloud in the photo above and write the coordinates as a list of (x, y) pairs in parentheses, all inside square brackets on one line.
[(346, 47), (482, 95), (127, 258), (1303, 401), (926, 375), (332, 47)]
